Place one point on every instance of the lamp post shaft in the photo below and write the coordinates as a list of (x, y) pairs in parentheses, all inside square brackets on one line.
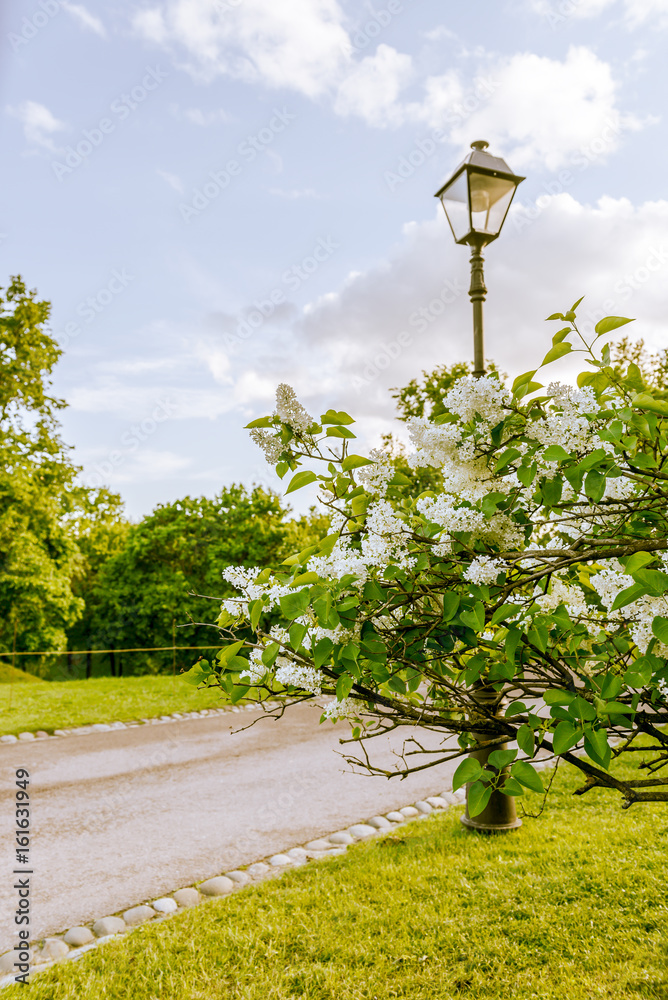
[(477, 294)]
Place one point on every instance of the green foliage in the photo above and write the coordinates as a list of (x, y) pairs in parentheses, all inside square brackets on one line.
[(40, 501), (152, 578)]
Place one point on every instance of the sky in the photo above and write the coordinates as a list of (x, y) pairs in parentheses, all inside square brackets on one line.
[(221, 195)]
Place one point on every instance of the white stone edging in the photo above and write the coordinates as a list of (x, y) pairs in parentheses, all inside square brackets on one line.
[(107, 727)]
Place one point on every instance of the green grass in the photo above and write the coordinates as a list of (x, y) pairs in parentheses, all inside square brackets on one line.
[(50, 706), (570, 907), (12, 675)]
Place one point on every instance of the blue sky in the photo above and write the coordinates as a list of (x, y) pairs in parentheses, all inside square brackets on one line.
[(220, 195)]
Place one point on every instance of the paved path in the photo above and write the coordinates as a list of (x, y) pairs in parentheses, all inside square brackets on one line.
[(128, 815)]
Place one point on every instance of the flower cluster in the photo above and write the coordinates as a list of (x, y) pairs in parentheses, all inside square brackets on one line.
[(291, 411)]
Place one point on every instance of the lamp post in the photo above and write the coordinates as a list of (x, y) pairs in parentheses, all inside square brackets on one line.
[(476, 200)]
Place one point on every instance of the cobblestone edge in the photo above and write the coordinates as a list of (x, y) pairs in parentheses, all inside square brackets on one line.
[(107, 727)]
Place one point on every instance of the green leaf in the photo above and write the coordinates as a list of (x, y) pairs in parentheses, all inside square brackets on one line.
[(227, 652), (470, 769), (475, 618), (297, 633), (627, 596), (270, 653), (399, 479), (556, 352), (301, 479), (374, 592), (653, 580), (515, 708), (576, 304), (523, 379), (344, 686), (597, 747), (339, 432), (255, 613), (559, 336), (555, 453), (610, 323), (660, 628), (450, 605), (555, 316), (477, 798), (646, 402), (194, 675), (294, 605), (501, 758), (322, 652), (354, 462), (336, 417), (511, 644), (511, 787), (551, 490), (637, 561), (594, 485), (611, 686), (260, 422), (526, 740), (526, 774), (505, 611), (326, 546), (556, 697), (565, 737), (506, 458), (304, 578)]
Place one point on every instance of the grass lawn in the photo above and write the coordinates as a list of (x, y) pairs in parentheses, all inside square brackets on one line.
[(12, 675), (573, 906), (58, 705)]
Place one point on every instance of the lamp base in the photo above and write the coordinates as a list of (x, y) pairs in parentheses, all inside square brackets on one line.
[(471, 824)]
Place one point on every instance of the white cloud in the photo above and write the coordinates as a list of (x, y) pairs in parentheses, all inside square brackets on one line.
[(372, 87), (174, 182), (539, 110), (412, 313), (634, 12), (205, 118), (299, 44), (85, 18), (295, 194), (383, 326), (39, 124)]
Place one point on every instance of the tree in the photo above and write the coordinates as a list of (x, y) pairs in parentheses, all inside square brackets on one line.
[(162, 574), (524, 600), (40, 500)]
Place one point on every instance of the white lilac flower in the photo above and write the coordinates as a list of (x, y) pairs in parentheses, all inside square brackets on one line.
[(271, 445), (486, 396), (484, 569), (290, 410), (295, 675), (256, 670), (346, 709), (376, 477)]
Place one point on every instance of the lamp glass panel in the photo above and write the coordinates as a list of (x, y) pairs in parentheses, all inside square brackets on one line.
[(490, 201), (455, 200)]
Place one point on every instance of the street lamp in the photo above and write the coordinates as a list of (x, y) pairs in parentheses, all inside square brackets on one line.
[(476, 200)]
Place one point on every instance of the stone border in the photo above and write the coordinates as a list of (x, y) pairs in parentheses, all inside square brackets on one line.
[(76, 941), (107, 727)]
